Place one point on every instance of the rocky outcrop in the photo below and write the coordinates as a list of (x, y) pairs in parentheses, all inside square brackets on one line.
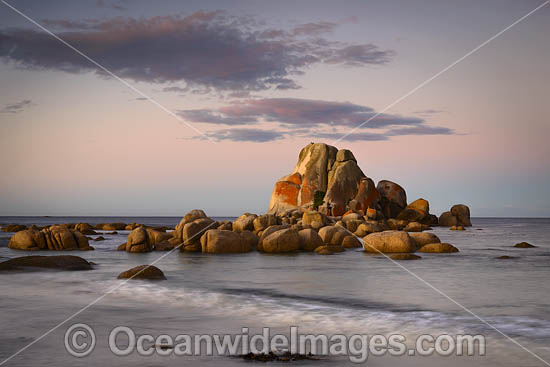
[(217, 241), (147, 272), (268, 231), (393, 198), (58, 238), (438, 248), (323, 178), (62, 262), (459, 215), (389, 242), (189, 230)]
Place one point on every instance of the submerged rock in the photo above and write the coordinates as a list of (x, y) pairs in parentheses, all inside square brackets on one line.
[(405, 257), (438, 248), (524, 245), (58, 262), (148, 272)]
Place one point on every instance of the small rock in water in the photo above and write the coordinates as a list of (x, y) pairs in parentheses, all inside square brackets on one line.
[(524, 245), (62, 262), (148, 272), (505, 257), (405, 257), (100, 238), (274, 357), (113, 232)]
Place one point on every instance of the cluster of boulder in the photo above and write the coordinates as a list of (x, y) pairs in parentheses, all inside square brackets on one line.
[(293, 231), (58, 238), (330, 181)]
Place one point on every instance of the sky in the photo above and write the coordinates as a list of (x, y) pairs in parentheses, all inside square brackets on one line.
[(169, 106)]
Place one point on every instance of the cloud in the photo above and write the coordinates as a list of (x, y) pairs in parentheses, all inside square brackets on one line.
[(428, 112), (297, 112), (314, 29), (244, 135), (17, 107), (205, 50), (306, 118)]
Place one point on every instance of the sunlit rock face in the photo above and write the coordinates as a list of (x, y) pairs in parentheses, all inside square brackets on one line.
[(325, 178)]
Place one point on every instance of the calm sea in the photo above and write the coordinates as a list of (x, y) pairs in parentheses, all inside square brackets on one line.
[(347, 293)]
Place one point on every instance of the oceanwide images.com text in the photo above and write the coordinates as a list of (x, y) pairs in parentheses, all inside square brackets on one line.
[(80, 341)]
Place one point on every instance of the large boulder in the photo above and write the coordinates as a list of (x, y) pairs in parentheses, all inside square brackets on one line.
[(58, 238), (309, 239), (61, 262), (217, 241), (393, 198), (389, 242), (138, 241), (268, 231), (417, 211), (367, 228), (263, 221), (462, 213), (447, 219), (314, 219), (188, 218), (244, 223), (85, 228), (459, 215), (284, 240), (192, 232), (147, 272), (334, 235), (344, 179)]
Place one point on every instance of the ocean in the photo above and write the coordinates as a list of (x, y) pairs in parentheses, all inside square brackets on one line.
[(347, 293)]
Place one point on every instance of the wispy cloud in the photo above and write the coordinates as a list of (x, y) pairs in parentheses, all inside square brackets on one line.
[(270, 119), (16, 107), (204, 50)]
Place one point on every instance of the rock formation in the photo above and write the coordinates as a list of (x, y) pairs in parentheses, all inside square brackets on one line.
[(324, 177)]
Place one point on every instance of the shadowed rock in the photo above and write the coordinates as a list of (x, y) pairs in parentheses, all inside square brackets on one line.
[(57, 262), (148, 272)]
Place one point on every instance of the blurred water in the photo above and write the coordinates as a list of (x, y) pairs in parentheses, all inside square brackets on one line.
[(348, 293)]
